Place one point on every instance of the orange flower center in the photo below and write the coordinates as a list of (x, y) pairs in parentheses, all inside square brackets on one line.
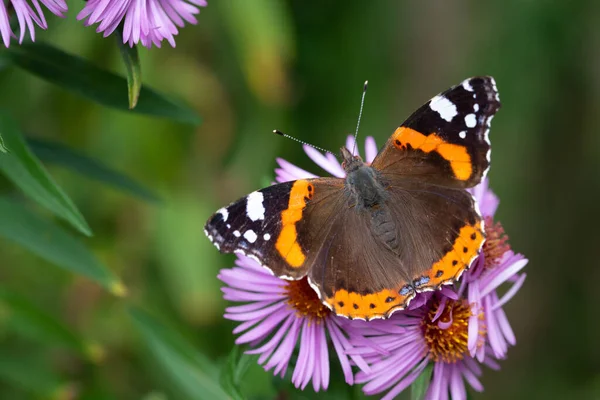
[(496, 243), (451, 344), (305, 301)]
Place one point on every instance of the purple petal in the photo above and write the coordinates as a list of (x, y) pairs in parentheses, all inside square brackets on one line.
[(322, 358), (494, 334), (263, 328), (351, 145), (440, 310), (296, 172), (473, 328), (258, 314), (503, 276), (505, 326), (370, 149), (281, 357), (472, 380), (322, 161), (5, 25), (398, 365), (457, 386), (511, 292), (239, 295), (406, 381), (435, 388), (491, 363), (266, 349), (335, 334)]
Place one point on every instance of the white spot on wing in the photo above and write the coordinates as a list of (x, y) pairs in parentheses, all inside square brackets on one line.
[(470, 120), (462, 134), (255, 209), (444, 107), (237, 233), (250, 236), (475, 107), (224, 213), (266, 236), (467, 85)]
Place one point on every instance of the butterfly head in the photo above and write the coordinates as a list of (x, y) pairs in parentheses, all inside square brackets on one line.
[(351, 162)]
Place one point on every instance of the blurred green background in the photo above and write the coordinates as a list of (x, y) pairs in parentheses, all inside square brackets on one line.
[(251, 67)]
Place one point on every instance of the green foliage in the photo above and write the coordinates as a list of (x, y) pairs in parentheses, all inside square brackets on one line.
[(131, 60), (195, 375), (52, 243), (22, 167), (84, 78), (59, 154), (418, 389)]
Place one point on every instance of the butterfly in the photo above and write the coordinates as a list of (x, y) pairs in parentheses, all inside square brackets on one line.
[(405, 224)]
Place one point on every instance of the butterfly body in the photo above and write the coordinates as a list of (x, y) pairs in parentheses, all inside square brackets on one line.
[(403, 224)]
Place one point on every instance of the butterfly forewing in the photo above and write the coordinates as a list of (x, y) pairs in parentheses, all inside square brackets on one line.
[(279, 226), (446, 140)]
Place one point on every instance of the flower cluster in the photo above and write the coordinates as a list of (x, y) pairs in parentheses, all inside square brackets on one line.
[(144, 21), (456, 329)]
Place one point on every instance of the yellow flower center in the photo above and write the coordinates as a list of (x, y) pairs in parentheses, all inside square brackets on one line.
[(450, 344), (305, 301), (496, 242)]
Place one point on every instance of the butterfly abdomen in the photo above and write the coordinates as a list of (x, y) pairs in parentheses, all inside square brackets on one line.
[(384, 227)]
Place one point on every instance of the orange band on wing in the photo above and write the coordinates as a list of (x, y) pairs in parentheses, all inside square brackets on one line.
[(381, 304), (368, 306), (465, 248), (287, 241), (456, 155)]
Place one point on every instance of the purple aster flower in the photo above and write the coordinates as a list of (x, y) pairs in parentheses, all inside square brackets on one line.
[(279, 315), (146, 21), (27, 16)]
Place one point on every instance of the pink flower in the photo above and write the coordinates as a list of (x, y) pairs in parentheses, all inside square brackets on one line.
[(145, 21), (27, 16), (278, 315)]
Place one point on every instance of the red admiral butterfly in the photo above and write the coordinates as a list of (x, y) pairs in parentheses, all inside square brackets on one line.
[(404, 224)]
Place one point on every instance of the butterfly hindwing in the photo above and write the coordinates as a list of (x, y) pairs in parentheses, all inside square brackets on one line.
[(438, 231), (446, 140)]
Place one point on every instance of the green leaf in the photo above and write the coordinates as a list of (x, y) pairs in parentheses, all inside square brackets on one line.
[(3, 148), (419, 387), (57, 153), (234, 370), (192, 373), (31, 376), (85, 79), (30, 321), (53, 244), (22, 167), (131, 60)]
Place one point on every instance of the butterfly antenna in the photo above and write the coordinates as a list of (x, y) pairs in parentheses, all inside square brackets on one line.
[(362, 103), (275, 131)]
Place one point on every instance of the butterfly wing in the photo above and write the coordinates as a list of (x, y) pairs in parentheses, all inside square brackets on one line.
[(281, 226), (439, 233), (446, 140)]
